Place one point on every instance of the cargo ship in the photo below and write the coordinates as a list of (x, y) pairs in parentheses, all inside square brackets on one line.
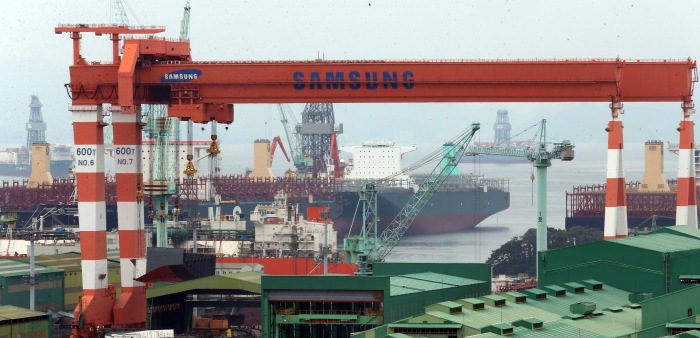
[(14, 162), (461, 203)]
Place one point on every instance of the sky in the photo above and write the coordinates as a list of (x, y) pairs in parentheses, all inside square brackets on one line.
[(35, 60)]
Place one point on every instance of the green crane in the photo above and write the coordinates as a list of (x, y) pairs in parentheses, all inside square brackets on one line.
[(164, 131), (370, 246), (294, 140), (542, 159)]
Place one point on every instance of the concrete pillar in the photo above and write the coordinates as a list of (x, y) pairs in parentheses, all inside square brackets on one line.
[(615, 193), (130, 309), (687, 208), (96, 304)]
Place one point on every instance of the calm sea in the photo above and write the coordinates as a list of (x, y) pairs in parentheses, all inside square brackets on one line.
[(475, 245)]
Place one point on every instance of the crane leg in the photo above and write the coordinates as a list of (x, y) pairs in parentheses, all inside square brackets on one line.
[(542, 204), (615, 225), (130, 309), (687, 206), (95, 305)]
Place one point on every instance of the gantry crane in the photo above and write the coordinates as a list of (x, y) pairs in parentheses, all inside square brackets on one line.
[(542, 159), (370, 246), (294, 141)]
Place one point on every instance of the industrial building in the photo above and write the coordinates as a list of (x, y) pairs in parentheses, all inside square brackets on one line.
[(70, 266), (15, 289), (17, 322), (597, 310), (172, 306), (339, 305), (659, 262)]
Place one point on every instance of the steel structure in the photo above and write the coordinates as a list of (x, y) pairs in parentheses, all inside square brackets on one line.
[(275, 142), (370, 246), (541, 159), (154, 70), (36, 128), (501, 128), (317, 121), (293, 131)]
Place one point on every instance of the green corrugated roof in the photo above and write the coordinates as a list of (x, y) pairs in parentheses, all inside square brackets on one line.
[(515, 294), (491, 315), (402, 285), (611, 324), (493, 297), (607, 297), (534, 291), (69, 262), (443, 279), (553, 330), (9, 312), (441, 325), (681, 230), (450, 305), (684, 325), (661, 242), (13, 267), (247, 281)]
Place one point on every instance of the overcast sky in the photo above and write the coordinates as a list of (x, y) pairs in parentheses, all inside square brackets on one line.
[(35, 60)]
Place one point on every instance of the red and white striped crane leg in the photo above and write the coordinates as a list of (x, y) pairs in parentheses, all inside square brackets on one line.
[(130, 310), (687, 206), (615, 193), (96, 303)]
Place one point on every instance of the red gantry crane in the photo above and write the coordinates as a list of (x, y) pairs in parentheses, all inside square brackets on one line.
[(156, 70)]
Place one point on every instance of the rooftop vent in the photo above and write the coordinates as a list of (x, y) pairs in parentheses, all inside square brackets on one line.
[(556, 291), (584, 309), (502, 329), (613, 309), (493, 300), (593, 285), (574, 287), (529, 323), (535, 294), (471, 304), (449, 308), (514, 297)]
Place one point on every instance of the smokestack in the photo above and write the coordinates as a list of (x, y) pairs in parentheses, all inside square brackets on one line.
[(261, 162), (654, 179), (41, 165)]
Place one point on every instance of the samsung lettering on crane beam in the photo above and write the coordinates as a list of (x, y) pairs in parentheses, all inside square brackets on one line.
[(182, 75), (354, 80)]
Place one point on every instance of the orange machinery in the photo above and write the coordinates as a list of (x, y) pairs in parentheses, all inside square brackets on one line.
[(154, 70)]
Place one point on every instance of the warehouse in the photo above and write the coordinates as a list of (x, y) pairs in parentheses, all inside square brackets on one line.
[(172, 306), (22, 323), (659, 262), (15, 291), (339, 305), (73, 276), (563, 310)]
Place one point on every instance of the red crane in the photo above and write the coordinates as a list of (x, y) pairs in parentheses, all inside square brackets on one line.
[(275, 142), (154, 70)]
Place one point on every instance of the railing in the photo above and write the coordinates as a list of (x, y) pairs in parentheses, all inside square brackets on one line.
[(572, 60), (107, 25), (157, 38), (365, 312)]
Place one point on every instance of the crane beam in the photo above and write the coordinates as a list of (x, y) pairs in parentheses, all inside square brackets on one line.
[(400, 81)]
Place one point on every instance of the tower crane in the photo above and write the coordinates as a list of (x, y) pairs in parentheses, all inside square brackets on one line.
[(370, 246), (542, 159), (294, 140)]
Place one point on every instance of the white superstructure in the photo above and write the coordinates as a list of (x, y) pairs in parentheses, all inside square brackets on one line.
[(673, 148), (281, 231), (375, 159)]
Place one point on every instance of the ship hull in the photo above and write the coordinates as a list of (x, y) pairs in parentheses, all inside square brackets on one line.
[(445, 212), (59, 168)]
